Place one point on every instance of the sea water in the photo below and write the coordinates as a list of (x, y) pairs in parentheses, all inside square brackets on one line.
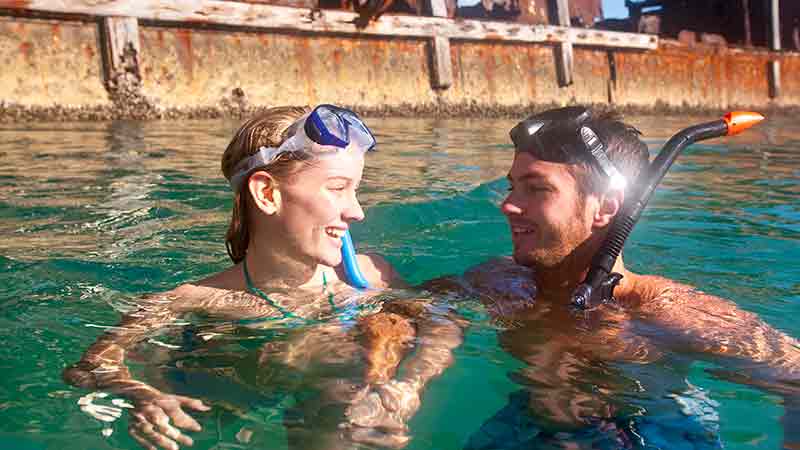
[(95, 215)]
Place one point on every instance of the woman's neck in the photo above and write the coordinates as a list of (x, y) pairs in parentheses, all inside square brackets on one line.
[(271, 268)]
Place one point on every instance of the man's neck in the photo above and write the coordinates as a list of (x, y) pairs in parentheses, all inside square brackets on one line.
[(557, 284)]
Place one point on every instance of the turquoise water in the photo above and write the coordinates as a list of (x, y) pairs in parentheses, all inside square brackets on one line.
[(96, 214)]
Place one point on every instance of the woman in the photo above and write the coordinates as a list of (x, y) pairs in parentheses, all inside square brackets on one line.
[(295, 173)]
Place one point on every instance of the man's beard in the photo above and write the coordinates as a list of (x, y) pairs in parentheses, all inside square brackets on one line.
[(557, 249)]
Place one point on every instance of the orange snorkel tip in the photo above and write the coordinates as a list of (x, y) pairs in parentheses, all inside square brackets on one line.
[(739, 121)]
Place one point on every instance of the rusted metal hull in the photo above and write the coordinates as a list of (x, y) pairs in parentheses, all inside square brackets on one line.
[(56, 66)]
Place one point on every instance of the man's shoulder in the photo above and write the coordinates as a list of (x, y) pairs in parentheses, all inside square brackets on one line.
[(502, 279), (497, 279), (656, 293), (497, 270)]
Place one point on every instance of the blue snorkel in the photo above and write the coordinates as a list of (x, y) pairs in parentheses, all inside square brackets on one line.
[(598, 286), (351, 269)]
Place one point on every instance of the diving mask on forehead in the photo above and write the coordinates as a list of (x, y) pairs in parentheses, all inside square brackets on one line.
[(561, 135), (325, 130)]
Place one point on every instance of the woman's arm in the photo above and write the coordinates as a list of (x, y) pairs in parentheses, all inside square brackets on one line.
[(102, 367)]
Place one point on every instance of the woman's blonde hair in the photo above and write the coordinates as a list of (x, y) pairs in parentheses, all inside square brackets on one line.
[(268, 129)]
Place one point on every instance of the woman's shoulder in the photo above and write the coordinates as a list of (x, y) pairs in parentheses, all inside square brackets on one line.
[(191, 293), (378, 271)]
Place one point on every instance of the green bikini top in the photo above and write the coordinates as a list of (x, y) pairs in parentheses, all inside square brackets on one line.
[(286, 313)]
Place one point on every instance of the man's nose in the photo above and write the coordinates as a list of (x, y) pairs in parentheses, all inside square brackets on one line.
[(509, 208)]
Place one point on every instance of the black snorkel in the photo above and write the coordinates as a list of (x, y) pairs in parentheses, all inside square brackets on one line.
[(598, 286)]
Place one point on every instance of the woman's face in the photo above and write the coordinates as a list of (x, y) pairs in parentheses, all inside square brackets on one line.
[(318, 203)]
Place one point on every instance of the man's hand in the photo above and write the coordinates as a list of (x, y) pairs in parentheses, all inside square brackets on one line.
[(156, 422), (378, 414)]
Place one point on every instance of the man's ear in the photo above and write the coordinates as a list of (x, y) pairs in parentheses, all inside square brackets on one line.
[(265, 193), (610, 205)]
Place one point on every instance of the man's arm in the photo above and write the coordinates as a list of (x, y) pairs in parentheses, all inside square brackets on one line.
[(768, 358), (102, 367), (717, 326)]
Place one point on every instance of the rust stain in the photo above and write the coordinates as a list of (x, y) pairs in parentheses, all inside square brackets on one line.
[(88, 50), (56, 31), (184, 50), (530, 76), (25, 48), (337, 57), (305, 62), (490, 67)]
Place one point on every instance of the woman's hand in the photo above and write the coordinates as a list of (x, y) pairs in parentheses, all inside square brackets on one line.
[(156, 422)]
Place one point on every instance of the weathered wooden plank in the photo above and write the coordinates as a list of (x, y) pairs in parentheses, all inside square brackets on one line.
[(442, 64), (774, 74), (748, 32), (562, 12), (122, 43), (230, 13), (564, 49), (775, 24), (438, 8), (774, 68), (564, 63), (292, 3), (612, 39), (612, 77)]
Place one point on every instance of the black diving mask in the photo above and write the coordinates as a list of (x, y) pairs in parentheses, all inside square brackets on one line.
[(561, 135)]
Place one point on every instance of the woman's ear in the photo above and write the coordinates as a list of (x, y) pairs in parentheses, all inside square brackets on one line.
[(610, 205), (265, 193)]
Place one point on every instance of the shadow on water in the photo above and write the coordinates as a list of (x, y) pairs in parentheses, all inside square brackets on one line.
[(96, 214)]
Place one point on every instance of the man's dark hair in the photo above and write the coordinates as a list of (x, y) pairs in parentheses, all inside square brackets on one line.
[(623, 147)]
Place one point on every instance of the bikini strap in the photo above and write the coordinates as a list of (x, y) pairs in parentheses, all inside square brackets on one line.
[(253, 289)]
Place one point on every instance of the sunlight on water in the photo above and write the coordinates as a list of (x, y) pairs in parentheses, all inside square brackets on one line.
[(94, 215)]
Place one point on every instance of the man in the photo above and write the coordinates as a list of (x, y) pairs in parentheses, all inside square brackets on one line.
[(585, 366)]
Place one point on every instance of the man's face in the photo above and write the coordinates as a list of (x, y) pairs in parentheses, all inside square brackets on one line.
[(547, 216)]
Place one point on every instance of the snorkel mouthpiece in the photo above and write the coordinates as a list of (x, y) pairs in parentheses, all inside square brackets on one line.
[(598, 286)]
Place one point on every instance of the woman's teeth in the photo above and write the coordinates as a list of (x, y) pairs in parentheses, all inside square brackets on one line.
[(334, 232)]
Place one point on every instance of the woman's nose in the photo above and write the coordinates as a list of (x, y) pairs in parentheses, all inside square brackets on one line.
[(353, 212)]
